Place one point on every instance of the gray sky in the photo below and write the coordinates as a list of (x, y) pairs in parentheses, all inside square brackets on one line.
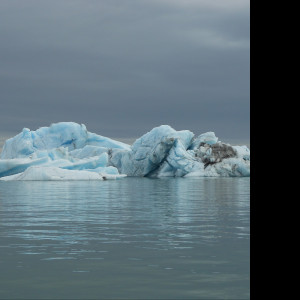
[(123, 67)]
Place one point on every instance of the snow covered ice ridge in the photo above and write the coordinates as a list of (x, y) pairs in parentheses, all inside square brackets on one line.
[(67, 151)]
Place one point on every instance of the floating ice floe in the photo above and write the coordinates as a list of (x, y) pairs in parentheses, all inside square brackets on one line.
[(67, 151), (42, 173)]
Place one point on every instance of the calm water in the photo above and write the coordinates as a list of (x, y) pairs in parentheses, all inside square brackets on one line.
[(130, 238)]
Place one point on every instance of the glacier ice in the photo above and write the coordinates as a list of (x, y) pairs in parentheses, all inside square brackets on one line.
[(208, 138), (65, 134), (18, 165), (65, 149), (150, 150), (57, 174)]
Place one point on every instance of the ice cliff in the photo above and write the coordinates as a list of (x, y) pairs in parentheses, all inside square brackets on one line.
[(67, 151)]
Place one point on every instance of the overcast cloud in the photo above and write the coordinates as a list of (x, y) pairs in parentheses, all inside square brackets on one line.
[(123, 67)]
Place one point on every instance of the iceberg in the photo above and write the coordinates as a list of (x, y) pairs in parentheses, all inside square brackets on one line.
[(42, 173), (65, 134), (165, 152), (149, 151), (67, 151)]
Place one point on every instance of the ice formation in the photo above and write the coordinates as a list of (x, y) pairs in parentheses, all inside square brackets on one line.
[(67, 151), (65, 134), (56, 174)]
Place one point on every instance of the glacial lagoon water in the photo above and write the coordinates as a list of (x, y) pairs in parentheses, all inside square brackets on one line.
[(135, 238)]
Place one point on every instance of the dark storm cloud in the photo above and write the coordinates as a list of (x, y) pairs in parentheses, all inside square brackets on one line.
[(123, 67)]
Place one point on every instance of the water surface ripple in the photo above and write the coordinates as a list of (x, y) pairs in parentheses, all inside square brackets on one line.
[(134, 238)]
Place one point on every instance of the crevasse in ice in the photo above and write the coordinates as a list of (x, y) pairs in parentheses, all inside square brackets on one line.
[(65, 149)]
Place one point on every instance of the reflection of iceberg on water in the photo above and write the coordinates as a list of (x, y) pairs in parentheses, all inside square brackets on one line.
[(67, 151)]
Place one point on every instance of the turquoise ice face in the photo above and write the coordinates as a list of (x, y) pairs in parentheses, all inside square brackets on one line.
[(161, 152)]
